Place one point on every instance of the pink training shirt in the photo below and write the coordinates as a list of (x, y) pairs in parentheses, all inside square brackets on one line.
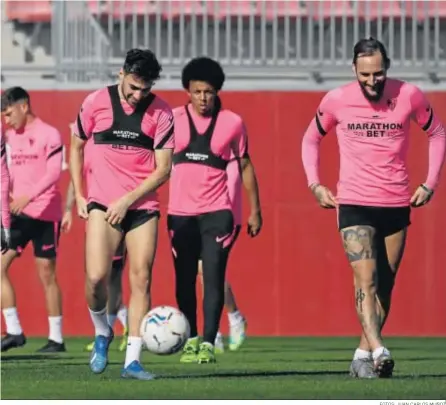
[(373, 142), (195, 188), (35, 169), (6, 215), (117, 169)]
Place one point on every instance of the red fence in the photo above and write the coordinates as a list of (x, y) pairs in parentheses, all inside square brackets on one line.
[(293, 279)]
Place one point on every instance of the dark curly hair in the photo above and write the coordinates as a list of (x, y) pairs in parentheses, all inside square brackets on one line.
[(143, 64), (203, 69)]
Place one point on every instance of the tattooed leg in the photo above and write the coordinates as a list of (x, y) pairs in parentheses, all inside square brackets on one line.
[(390, 252), (360, 247)]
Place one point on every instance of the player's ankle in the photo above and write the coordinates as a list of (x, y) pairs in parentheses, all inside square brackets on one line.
[(134, 347), (361, 354), (55, 326), (235, 317), (380, 351)]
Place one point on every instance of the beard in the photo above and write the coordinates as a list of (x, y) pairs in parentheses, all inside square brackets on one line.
[(378, 88), (128, 97)]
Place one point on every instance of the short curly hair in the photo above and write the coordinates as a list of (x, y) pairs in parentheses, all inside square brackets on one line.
[(203, 69), (143, 64)]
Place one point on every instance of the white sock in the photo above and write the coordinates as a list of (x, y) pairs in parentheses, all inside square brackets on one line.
[(379, 351), (134, 346), (100, 322), (122, 316), (219, 336), (55, 323), (12, 321), (111, 319), (362, 354), (235, 317)]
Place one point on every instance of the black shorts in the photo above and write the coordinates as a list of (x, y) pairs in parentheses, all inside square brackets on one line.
[(132, 220), (386, 220), (43, 234), (237, 229)]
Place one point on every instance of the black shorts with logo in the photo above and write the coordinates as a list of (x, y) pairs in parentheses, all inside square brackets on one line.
[(132, 220), (237, 229), (386, 220), (43, 234)]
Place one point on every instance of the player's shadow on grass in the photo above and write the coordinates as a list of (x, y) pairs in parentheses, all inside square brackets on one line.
[(254, 374), (35, 357)]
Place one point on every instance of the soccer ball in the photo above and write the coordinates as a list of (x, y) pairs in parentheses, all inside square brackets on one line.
[(164, 330)]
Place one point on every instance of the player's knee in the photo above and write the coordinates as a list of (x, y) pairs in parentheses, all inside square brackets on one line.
[(140, 277), (95, 280), (47, 272), (366, 279)]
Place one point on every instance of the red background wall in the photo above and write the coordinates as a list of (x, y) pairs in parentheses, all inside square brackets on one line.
[(293, 279)]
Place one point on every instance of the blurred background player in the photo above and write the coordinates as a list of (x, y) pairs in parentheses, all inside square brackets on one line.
[(372, 118), (35, 168), (5, 184), (200, 221), (115, 308), (132, 139)]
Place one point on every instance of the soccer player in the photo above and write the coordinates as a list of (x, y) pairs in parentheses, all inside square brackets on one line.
[(200, 219), (132, 135), (372, 118), (5, 184), (237, 322), (115, 308), (35, 168)]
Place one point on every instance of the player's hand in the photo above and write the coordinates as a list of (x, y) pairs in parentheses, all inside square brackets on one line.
[(255, 223), (324, 196), (81, 204), (5, 239), (19, 204), (67, 221), (422, 196), (117, 210)]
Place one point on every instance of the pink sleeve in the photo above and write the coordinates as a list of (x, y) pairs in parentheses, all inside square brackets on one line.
[(54, 150), (83, 127), (6, 215), (321, 124), (424, 116), (240, 149), (164, 136)]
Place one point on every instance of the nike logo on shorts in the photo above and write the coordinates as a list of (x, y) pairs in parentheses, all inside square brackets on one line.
[(47, 247), (220, 239)]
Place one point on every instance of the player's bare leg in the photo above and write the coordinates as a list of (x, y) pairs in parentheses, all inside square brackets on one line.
[(102, 240), (115, 308), (237, 322), (46, 269), (360, 245), (14, 334), (390, 254), (141, 245)]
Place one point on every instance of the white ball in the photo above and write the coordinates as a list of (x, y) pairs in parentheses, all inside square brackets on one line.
[(165, 330)]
